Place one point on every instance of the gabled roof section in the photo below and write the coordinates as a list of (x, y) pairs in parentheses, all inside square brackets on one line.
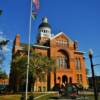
[(61, 33)]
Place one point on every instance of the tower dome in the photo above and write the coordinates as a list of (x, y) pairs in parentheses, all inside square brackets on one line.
[(45, 28), (44, 23)]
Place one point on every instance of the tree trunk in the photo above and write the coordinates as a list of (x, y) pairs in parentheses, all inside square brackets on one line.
[(54, 76), (48, 81)]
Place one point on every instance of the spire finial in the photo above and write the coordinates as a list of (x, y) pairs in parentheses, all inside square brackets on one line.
[(45, 20)]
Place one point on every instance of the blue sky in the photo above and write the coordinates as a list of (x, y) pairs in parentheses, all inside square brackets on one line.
[(79, 19)]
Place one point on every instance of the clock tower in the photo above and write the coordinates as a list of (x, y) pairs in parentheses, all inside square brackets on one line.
[(44, 30)]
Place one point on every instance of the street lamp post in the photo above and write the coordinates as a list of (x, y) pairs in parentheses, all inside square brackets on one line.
[(93, 76)]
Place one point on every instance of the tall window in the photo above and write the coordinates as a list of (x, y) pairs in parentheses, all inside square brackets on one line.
[(62, 62), (65, 62), (79, 77), (77, 64), (63, 59), (59, 62)]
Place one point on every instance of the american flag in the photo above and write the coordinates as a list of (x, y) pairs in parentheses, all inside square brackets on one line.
[(36, 4)]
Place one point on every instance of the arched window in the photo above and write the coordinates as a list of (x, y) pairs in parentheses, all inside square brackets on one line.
[(63, 60)]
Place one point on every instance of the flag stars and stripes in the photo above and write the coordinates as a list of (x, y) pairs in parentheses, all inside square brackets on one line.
[(35, 9), (36, 4)]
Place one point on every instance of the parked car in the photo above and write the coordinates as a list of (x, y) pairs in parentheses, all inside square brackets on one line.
[(70, 90), (2, 88)]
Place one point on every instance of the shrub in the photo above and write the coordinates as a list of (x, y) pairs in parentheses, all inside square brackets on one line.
[(22, 97), (31, 97)]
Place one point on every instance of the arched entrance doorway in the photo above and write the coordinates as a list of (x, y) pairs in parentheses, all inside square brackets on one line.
[(70, 80), (64, 79)]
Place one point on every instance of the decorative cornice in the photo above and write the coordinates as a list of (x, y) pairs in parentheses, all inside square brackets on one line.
[(19, 47), (81, 52), (41, 46)]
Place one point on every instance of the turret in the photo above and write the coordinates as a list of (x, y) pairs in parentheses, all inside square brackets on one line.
[(44, 30)]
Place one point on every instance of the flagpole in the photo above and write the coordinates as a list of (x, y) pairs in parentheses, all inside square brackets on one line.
[(28, 59)]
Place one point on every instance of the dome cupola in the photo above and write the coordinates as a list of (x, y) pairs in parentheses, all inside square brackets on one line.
[(44, 23), (45, 28)]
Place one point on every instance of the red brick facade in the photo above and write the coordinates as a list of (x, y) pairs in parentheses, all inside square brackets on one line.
[(69, 61)]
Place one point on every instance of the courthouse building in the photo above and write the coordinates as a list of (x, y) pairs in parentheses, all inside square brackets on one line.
[(69, 61)]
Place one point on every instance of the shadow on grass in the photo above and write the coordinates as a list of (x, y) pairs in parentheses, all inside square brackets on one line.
[(55, 98), (65, 97)]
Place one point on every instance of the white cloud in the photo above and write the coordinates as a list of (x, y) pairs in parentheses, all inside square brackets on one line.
[(5, 49), (2, 38)]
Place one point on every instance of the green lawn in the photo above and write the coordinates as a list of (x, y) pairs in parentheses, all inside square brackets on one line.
[(42, 96), (91, 97), (38, 96), (10, 97), (45, 96)]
